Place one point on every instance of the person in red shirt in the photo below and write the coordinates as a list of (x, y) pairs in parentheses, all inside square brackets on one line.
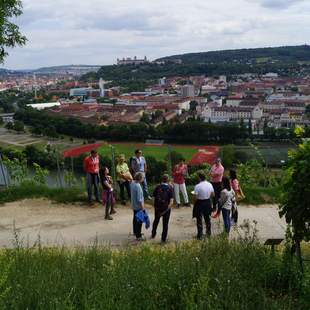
[(91, 167), (179, 174)]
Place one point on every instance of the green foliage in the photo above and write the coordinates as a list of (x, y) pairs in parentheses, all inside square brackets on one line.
[(188, 276), (40, 174), (10, 34), (156, 169), (254, 173), (296, 192), (228, 156), (18, 126), (17, 170), (28, 189)]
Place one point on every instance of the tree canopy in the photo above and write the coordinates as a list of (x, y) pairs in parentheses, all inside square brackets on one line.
[(10, 35)]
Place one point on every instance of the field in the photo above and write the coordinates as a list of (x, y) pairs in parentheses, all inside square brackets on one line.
[(273, 153), (159, 152)]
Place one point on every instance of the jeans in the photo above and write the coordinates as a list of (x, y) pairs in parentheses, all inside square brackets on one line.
[(107, 203), (145, 188), (217, 194), (92, 180), (137, 226), (166, 216), (226, 219), (204, 210), (180, 188), (122, 186)]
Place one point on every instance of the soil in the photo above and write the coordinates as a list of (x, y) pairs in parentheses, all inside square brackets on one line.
[(28, 222)]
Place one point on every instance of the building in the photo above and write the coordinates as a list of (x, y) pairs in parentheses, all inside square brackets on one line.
[(7, 117), (231, 114), (132, 61), (188, 91), (42, 106)]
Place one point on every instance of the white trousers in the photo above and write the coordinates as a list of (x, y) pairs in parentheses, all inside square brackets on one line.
[(180, 188)]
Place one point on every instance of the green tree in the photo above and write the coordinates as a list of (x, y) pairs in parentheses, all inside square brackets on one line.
[(10, 35), (19, 126), (296, 194), (228, 152)]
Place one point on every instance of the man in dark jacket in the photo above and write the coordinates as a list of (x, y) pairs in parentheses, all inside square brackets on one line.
[(163, 200)]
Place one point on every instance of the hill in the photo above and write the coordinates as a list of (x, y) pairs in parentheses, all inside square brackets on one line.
[(284, 54), (286, 61)]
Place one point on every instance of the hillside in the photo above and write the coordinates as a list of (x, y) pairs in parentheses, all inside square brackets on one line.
[(286, 61), (284, 54)]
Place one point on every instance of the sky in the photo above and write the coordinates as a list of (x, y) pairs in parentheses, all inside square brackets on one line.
[(97, 32)]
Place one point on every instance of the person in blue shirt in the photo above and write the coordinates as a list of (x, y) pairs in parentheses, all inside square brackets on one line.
[(163, 201), (138, 164), (137, 203)]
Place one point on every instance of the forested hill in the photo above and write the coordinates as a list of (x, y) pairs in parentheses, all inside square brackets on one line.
[(286, 61), (287, 54)]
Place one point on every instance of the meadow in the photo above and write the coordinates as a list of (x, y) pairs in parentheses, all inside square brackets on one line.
[(213, 274), (157, 151)]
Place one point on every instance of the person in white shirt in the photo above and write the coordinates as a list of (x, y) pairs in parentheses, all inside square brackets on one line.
[(203, 205), (226, 201)]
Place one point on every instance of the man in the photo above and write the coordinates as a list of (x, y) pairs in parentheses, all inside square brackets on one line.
[(91, 167), (137, 203), (216, 173), (203, 206), (138, 164), (163, 200), (179, 174)]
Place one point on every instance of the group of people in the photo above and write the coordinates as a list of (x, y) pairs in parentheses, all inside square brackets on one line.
[(210, 198)]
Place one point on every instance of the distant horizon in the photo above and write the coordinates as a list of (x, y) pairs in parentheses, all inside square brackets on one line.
[(138, 56), (100, 31)]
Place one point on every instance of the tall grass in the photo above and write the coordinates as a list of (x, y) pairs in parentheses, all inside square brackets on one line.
[(214, 274), (28, 190)]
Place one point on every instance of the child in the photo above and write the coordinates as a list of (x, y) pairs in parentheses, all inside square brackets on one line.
[(107, 194)]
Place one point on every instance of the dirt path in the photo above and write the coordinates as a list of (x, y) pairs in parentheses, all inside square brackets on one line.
[(70, 225)]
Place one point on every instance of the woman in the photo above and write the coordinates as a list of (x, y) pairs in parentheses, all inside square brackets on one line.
[(227, 201), (124, 178), (107, 193), (235, 185)]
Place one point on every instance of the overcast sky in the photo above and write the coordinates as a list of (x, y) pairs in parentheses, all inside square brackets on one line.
[(98, 31)]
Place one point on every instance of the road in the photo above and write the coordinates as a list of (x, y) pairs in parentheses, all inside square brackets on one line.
[(80, 225)]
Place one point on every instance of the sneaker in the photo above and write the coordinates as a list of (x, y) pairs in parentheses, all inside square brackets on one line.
[(108, 218), (113, 211), (140, 239)]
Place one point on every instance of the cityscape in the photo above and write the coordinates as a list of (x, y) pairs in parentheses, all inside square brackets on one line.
[(155, 155)]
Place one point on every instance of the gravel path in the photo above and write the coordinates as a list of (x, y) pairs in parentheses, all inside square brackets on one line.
[(73, 225)]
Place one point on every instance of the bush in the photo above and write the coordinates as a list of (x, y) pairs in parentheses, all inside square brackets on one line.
[(228, 159)]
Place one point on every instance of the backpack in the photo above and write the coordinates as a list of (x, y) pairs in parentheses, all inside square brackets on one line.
[(163, 195)]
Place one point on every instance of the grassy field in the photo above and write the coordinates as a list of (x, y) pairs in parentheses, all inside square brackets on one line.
[(159, 152), (273, 153), (214, 274)]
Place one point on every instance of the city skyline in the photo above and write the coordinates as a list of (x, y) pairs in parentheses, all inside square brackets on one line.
[(98, 32)]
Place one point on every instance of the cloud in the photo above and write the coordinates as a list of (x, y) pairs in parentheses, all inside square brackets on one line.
[(99, 31), (277, 4)]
